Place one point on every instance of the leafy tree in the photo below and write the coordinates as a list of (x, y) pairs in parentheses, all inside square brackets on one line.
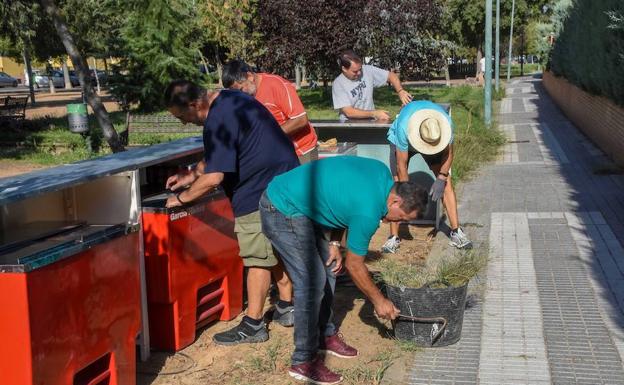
[(226, 30), (19, 22), (405, 34), (160, 43), (81, 67), (398, 33), (464, 22), (309, 32), (96, 25), (588, 51)]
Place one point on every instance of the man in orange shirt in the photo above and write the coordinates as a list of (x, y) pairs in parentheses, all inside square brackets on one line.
[(280, 97)]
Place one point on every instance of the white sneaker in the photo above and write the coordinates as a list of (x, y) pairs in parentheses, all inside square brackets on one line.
[(391, 245), (460, 240)]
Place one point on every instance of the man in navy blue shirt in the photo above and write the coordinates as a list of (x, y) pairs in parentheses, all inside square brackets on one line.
[(244, 148)]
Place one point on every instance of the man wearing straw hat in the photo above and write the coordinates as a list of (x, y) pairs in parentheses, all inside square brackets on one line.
[(424, 127)]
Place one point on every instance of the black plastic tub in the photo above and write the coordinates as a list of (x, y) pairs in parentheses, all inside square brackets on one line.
[(430, 317)]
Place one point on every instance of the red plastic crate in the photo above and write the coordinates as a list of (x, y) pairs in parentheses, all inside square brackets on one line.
[(194, 272), (75, 321)]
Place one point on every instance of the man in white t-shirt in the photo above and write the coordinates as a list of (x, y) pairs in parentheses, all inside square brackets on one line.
[(481, 74), (352, 91)]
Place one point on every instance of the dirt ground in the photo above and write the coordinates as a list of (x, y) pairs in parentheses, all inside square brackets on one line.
[(13, 167), (55, 105), (266, 364)]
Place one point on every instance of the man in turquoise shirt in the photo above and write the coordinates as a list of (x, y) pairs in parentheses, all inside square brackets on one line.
[(424, 127), (298, 210)]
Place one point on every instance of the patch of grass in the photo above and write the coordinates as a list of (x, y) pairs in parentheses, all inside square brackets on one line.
[(370, 372), (408, 346), (48, 141), (515, 70), (154, 138), (459, 269), (454, 271), (267, 358)]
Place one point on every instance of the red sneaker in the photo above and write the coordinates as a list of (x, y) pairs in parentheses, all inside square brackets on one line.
[(314, 372), (336, 346)]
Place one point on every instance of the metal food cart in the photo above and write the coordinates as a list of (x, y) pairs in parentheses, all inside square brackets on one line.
[(72, 268)]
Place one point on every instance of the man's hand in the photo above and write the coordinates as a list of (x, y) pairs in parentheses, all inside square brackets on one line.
[(405, 97), (381, 115), (385, 309), (437, 190), (180, 180), (335, 255), (172, 201)]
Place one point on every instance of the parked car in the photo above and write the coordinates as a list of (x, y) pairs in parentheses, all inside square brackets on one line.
[(73, 78), (39, 79), (7, 81), (57, 78), (102, 77)]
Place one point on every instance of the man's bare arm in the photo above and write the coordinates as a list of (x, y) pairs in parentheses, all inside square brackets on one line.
[(361, 277), (293, 125), (356, 113), (203, 184), (395, 82), (402, 159)]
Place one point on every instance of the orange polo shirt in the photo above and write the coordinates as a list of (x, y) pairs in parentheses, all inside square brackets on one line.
[(280, 97)]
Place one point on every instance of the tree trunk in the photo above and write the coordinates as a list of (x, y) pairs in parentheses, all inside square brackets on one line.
[(297, 76), (97, 78), (81, 68), (31, 80), (447, 76), (219, 66), (522, 53), (68, 85), (479, 56), (51, 84), (203, 60)]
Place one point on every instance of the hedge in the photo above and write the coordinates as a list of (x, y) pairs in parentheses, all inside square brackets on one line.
[(589, 52)]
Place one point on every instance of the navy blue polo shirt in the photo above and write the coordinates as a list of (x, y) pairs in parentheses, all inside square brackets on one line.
[(244, 142)]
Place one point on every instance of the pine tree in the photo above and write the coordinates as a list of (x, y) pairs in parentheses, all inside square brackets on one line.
[(159, 45)]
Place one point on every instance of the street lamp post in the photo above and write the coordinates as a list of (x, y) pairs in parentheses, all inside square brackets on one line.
[(513, 7), (497, 47), (488, 63)]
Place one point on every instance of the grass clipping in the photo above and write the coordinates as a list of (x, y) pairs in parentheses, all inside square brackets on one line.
[(456, 270)]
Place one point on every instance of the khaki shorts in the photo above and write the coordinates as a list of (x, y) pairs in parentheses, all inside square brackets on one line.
[(255, 249), (309, 156)]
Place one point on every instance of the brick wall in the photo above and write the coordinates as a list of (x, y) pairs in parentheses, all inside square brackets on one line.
[(598, 117)]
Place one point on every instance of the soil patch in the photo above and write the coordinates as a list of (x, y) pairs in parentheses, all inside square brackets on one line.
[(12, 167), (206, 363), (55, 105)]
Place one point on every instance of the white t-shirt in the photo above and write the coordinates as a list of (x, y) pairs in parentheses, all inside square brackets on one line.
[(482, 64), (358, 93)]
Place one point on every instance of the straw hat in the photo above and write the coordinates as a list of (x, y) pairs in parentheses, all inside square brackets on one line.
[(429, 131)]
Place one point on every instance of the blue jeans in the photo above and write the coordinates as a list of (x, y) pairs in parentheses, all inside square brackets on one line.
[(303, 247)]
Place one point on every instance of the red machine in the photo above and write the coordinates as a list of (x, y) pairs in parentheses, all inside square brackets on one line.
[(71, 306), (193, 270)]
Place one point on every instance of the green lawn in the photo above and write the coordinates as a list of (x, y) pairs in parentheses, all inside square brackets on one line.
[(515, 70), (49, 142)]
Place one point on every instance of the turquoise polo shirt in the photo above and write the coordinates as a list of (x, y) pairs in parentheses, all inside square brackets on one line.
[(343, 192), (397, 134)]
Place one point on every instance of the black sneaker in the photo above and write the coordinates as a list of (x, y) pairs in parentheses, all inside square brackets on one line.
[(284, 316), (243, 333)]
